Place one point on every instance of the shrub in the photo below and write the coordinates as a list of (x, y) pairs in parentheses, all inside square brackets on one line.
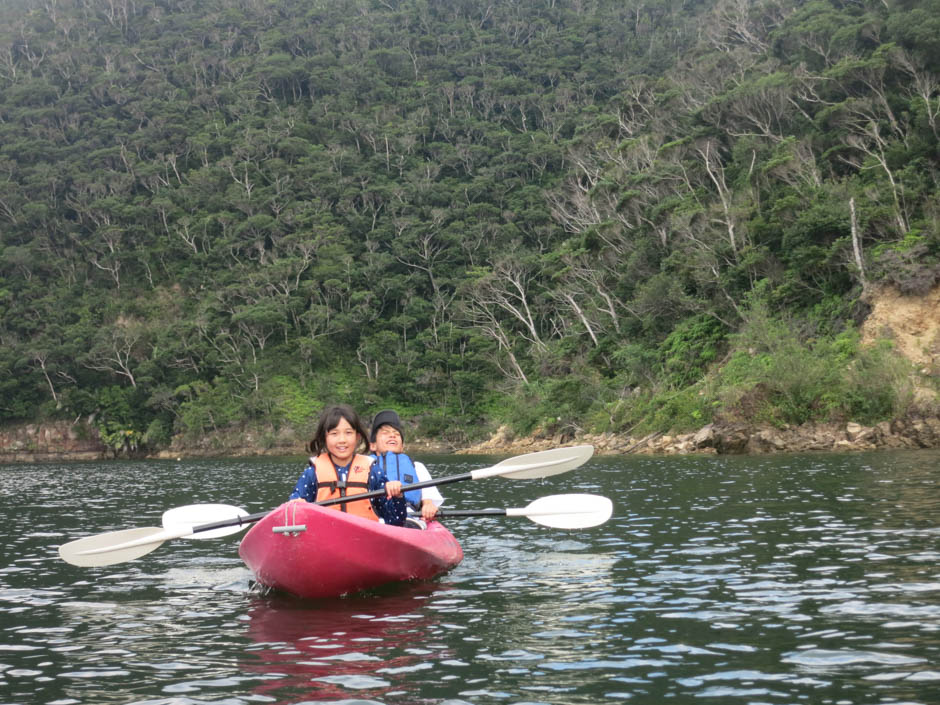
[(287, 401), (690, 348), (557, 405), (680, 410), (877, 385), (775, 377), (208, 407)]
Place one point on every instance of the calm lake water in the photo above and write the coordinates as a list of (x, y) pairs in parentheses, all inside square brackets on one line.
[(772, 579)]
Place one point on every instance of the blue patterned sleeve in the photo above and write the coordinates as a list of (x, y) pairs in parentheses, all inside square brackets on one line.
[(392, 511), (306, 487)]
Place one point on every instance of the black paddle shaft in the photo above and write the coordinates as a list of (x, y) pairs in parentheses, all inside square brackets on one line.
[(251, 518), (444, 513)]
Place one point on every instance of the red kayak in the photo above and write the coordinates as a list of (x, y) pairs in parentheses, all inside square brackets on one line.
[(313, 551)]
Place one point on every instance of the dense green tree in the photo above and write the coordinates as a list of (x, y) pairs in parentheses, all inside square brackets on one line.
[(546, 213)]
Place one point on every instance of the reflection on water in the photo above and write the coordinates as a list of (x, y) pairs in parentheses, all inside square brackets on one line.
[(354, 644), (750, 580)]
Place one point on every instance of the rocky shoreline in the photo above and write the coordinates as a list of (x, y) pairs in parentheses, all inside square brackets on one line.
[(740, 439), (60, 441)]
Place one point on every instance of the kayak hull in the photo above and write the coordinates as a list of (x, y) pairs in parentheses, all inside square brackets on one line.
[(313, 552)]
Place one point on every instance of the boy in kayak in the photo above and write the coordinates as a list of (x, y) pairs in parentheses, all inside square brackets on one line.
[(336, 469), (387, 443)]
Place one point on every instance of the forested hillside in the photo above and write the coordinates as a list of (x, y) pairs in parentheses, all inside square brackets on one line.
[(566, 214)]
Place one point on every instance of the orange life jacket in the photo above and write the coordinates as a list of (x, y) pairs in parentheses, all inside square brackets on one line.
[(357, 482)]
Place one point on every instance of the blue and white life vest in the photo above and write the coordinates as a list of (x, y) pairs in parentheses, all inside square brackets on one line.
[(398, 466)]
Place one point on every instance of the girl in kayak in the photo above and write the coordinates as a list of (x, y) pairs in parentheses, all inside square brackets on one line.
[(336, 469), (387, 443)]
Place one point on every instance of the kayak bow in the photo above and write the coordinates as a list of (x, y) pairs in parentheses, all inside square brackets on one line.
[(310, 551)]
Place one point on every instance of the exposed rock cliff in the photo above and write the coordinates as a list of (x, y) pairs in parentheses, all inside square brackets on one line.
[(44, 442)]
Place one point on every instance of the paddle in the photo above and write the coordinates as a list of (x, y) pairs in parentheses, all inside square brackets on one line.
[(120, 546), (560, 511), (530, 466)]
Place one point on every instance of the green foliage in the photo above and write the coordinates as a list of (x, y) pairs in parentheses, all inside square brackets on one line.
[(690, 348), (550, 215), (287, 401), (158, 434), (877, 385), (648, 411), (119, 438), (119, 419), (120, 406), (208, 407), (774, 377), (553, 406)]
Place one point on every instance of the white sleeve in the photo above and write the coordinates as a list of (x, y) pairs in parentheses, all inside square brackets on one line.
[(431, 493)]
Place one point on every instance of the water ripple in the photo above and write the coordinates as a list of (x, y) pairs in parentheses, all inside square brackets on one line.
[(762, 579), (845, 657)]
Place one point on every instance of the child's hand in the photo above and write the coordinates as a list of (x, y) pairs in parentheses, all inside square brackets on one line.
[(428, 510), (392, 489)]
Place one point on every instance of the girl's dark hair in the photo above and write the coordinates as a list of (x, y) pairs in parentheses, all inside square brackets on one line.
[(329, 419)]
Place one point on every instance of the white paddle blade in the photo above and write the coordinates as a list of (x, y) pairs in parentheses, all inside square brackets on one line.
[(567, 511), (182, 520), (113, 547), (543, 463)]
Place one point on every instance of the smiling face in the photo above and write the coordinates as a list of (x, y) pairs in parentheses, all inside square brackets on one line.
[(387, 438), (341, 442)]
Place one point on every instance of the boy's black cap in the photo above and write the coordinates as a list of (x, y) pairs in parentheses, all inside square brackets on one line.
[(386, 418)]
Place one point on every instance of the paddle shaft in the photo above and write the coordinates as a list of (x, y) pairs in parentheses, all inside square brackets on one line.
[(563, 511), (444, 513), (119, 546), (529, 466), (251, 518)]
